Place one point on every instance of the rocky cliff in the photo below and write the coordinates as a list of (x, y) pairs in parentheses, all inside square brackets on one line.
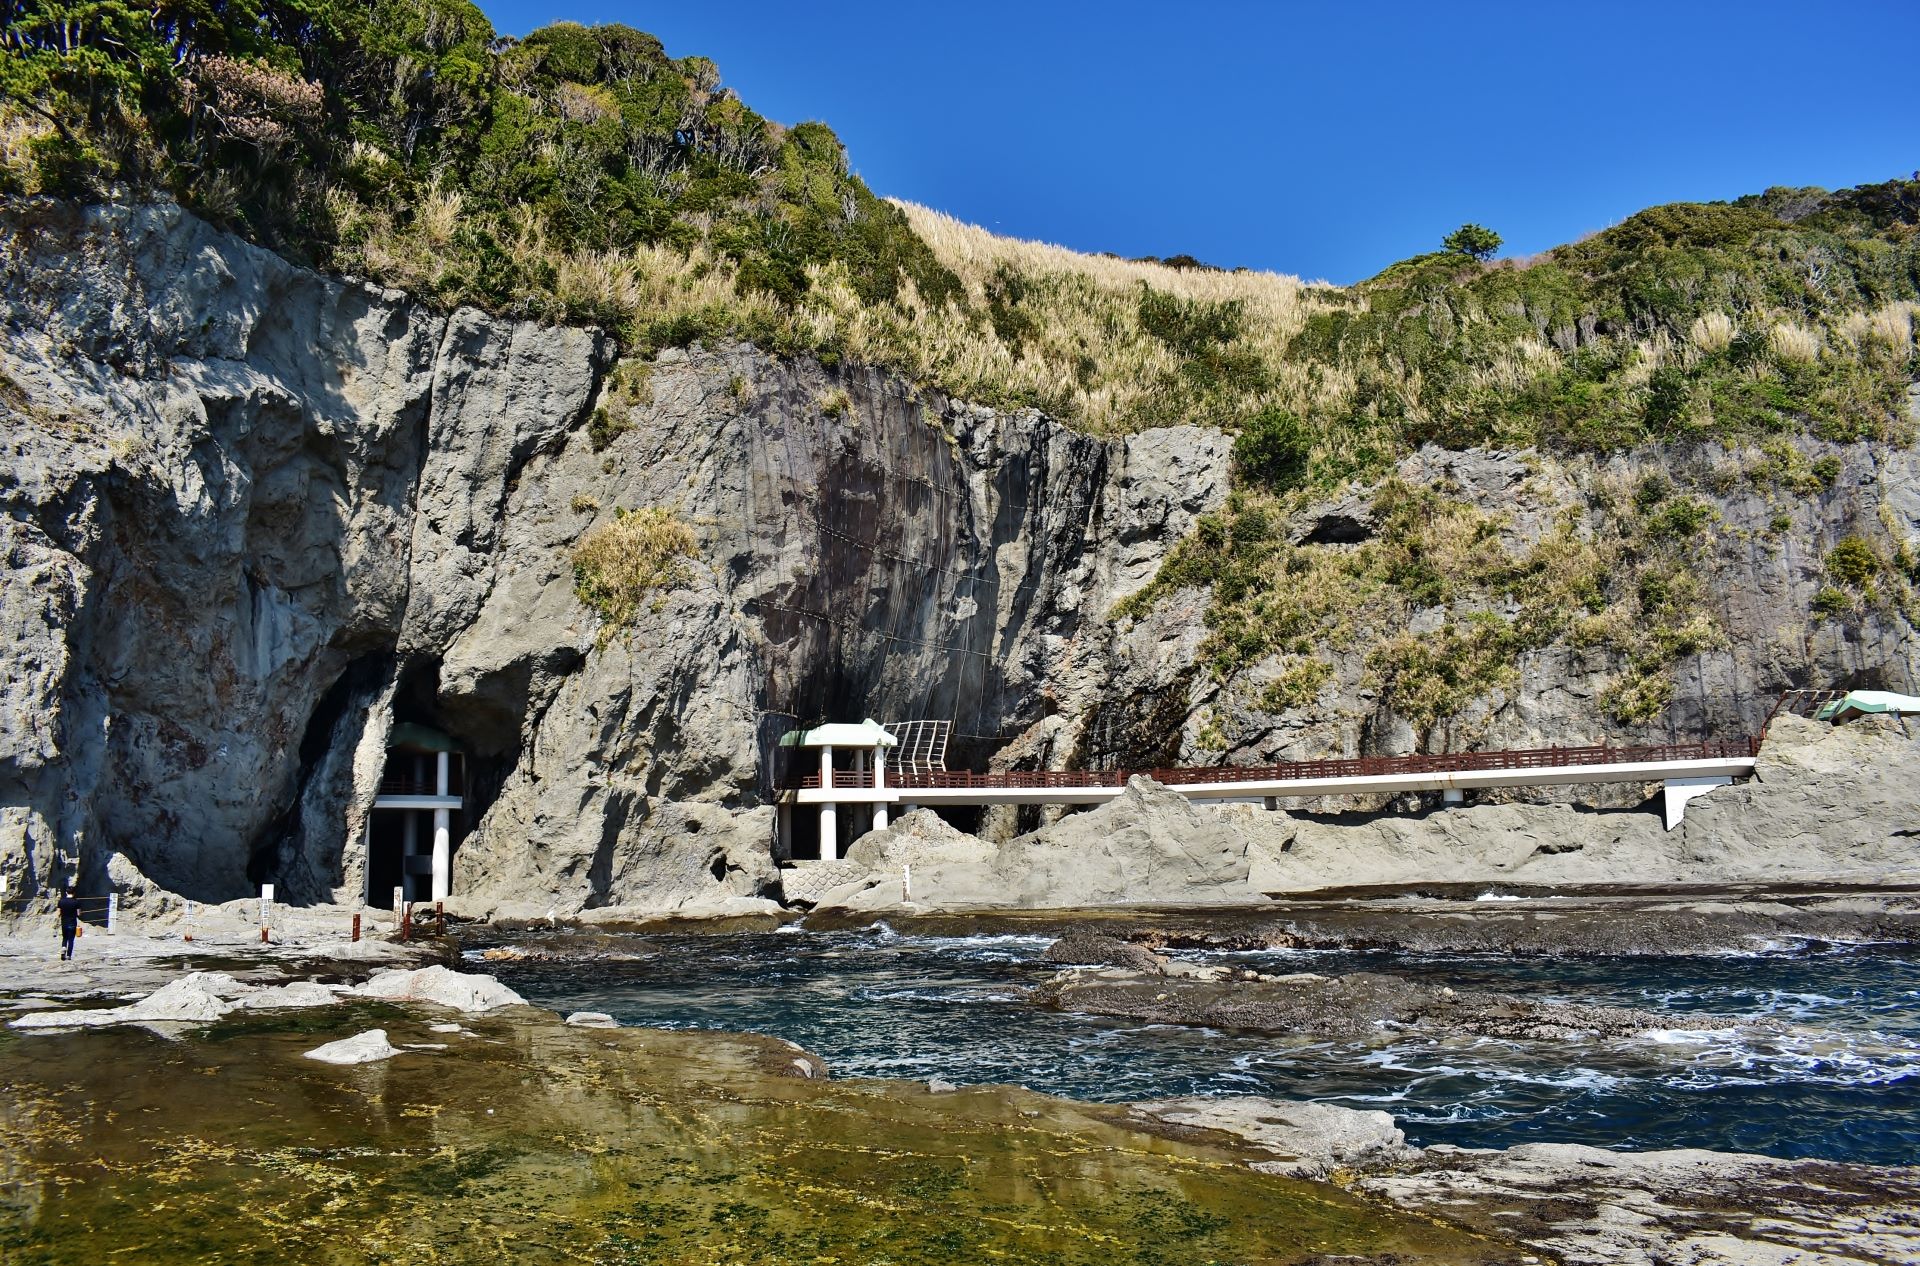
[(255, 515)]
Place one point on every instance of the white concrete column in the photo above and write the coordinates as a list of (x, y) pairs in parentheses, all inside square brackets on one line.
[(826, 769), (829, 832), (1452, 795), (880, 817), (442, 847), (1677, 791), (859, 764), (879, 769), (440, 775)]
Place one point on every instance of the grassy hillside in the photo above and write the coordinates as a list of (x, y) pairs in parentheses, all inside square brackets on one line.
[(581, 174)]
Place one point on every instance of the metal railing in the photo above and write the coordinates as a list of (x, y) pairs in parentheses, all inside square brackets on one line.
[(1801, 703), (416, 787), (1304, 770)]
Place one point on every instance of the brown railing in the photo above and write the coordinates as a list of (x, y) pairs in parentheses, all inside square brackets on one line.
[(1349, 767), (1801, 703)]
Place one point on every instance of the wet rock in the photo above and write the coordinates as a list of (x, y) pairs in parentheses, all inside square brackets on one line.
[(592, 1020), (1358, 1005), (1092, 949), (1596, 1207), (194, 999), (459, 990), (298, 993), (362, 1048), (1313, 1139)]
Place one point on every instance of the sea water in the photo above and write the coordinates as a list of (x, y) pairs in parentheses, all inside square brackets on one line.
[(1828, 1065)]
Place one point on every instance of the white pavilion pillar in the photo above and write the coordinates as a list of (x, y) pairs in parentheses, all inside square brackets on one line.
[(829, 816), (879, 784), (442, 835)]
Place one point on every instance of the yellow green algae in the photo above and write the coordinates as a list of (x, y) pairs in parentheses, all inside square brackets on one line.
[(529, 1141)]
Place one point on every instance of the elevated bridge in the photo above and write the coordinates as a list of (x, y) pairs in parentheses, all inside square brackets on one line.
[(1686, 770)]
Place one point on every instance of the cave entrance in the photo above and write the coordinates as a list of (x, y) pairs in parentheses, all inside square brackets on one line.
[(418, 818)]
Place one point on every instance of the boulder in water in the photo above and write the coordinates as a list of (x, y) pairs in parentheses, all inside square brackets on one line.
[(361, 1048), (460, 990)]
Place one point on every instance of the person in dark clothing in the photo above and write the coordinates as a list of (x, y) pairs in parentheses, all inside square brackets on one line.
[(69, 922)]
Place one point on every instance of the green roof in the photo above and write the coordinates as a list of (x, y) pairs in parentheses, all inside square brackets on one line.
[(1858, 702), (421, 738)]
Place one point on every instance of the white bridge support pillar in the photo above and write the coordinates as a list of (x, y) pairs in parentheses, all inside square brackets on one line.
[(1677, 791), (829, 812), (442, 835), (829, 832)]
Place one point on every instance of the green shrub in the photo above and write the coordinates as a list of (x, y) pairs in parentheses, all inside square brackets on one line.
[(1831, 602), (1299, 685), (1679, 519), (1272, 450), (1853, 563)]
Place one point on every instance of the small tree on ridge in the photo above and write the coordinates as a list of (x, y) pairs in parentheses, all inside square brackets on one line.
[(1472, 239)]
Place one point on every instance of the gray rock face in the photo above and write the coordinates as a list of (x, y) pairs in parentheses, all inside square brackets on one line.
[(1147, 846), (1759, 567), (253, 512)]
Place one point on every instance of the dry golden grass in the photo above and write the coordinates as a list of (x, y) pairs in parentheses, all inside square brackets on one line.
[(1712, 332), (1040, 325), (1083, 351), (620, 564)]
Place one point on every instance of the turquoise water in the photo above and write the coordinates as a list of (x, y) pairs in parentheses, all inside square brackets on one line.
[(1840, 1079)]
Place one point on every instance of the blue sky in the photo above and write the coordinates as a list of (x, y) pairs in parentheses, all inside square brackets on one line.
[(1325, 139)]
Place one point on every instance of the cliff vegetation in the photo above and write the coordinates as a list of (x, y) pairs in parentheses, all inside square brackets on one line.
[(581, 174)]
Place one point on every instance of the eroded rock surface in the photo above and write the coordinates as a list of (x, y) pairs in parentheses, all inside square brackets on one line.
[(253, 513), (1593, 1207), (1589, 1206)]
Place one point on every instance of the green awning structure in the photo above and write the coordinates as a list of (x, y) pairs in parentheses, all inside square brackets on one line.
[(1860, 702), (419, 738)]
